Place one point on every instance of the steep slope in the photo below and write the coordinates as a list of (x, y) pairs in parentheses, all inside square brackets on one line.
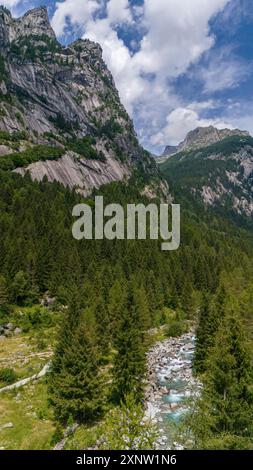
[(170, 150), (201, 137), (219, 176), (62, 97), (204, 136)]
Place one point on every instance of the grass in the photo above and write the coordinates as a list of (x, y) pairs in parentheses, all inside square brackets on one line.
[(25, 408), (22, 355), (85, 437)]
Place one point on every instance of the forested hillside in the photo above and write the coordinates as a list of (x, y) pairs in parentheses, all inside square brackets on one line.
[(201, 180), (77, 318), (115, 291)]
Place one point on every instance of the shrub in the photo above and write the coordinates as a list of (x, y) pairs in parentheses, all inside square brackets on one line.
[(35, 318), (2, 69), (60, 122), (8, 376), (84, 147), (177, 328), (111, 129), (34, 154)]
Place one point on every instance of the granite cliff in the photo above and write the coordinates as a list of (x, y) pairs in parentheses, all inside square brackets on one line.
[(62, 97)]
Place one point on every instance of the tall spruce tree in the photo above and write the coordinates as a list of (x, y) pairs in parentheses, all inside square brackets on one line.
[(75, 384), (4, 296), (129, 363), (226, 408), (209, 320)]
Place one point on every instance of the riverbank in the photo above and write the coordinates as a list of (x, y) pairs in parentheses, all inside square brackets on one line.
[(171, 385)]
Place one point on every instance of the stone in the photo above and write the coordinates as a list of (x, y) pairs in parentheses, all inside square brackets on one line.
[(189, 346), (17, 331), (48, 301), (10, 326), (173, 406), (5, 150), (7, 426), (178, 373)]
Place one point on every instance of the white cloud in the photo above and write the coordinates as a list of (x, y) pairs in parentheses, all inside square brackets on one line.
[(224, 71), (202, 105), (10, 3), (181, 121), (244, 122), (118, 11), (78, 12), (176, 35)]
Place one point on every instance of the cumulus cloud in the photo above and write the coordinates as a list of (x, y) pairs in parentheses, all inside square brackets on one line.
[(78, 12), (176, 35), (181, 121), (224, 71), (10, 3)]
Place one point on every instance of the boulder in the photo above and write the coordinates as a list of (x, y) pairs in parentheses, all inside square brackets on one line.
[(173, 406), (48, 301), (189, 347), (17, 331), (7, 426)]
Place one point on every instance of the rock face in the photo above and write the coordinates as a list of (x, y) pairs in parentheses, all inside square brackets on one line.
[(204, 136), (219, 174), (35, 22), (57, 95), (74, 172), (170, 150)]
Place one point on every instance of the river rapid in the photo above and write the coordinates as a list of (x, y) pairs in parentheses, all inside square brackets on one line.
[(172, 388)]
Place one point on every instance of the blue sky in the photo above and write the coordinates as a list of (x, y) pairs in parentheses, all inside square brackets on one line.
[(178, 64)]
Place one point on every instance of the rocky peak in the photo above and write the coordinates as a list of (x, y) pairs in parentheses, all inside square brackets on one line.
[(62, 101), (85, 45), (204, 136), (34, 22), (170, 150)]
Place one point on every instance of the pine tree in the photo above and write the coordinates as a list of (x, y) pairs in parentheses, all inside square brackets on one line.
[(129, 363), (209, 320), (126, 429), (102, 325), (20, 287), (3, 291), (75, 384), (116, 304), (143, 315), (226, 407)]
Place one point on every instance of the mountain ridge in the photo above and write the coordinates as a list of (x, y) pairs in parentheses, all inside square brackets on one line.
[(65, 97), (202, 137), (218, 176)]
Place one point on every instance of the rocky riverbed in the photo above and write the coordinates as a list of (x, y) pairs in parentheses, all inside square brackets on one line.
[(171, 386)]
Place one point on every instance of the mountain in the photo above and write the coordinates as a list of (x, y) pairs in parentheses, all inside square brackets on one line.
[(218, 175), (170, 150), (60, 112), (204, 136)]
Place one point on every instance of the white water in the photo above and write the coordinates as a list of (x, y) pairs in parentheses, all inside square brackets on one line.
[(175, 386)]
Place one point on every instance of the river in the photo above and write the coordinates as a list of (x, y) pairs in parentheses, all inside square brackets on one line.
[(172, 388)]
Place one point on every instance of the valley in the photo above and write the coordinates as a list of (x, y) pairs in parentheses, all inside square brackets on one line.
[(107, 332)]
